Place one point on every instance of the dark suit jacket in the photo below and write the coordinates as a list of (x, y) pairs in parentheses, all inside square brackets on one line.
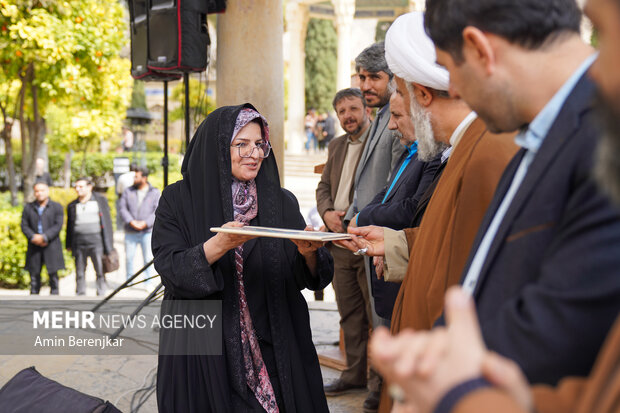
[(107, 232), (51, 221), (396, 213), (549, 289), (427, 195), (402, 202), (330, 178)]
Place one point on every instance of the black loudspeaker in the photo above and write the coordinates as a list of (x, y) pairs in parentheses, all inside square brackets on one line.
[(178, 36), (139, 33)]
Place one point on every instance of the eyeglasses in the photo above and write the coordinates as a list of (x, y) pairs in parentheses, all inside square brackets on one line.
[(246, 150)]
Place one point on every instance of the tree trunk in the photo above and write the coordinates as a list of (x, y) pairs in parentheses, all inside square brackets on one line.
[(10, 162), (37, 137), (67, 170), (22, 122)]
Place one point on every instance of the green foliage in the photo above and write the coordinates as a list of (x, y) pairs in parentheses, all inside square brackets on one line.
[(99, 165), (594, 38), (381, 29), (138, 96), (200, 103), (13, 246), (72, 47), (321, 64), (63, 196)]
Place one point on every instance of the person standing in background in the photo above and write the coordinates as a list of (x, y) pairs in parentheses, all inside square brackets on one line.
[(42, 221), (89, 233), (137, 209)]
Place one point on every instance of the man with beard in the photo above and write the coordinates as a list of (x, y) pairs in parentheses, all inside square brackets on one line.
[(394, 206), (382, 152), (137, 209), (333, 196), (444, 383), (434, 253), (544, 266), (41, 224)]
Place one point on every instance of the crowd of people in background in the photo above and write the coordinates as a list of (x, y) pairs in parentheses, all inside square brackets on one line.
[(320, 129), (89, 229)]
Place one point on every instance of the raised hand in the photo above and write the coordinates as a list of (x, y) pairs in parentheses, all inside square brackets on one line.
[(427, 364)]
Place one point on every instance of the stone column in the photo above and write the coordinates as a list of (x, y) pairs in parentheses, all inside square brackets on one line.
[(416, 5), (344, 11), (250, 65), (297, 26)]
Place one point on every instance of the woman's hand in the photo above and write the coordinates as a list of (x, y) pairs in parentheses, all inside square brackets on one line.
[(215, 247), (305, 247), (308, 250)]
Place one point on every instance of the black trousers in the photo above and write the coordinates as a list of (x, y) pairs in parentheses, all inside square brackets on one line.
[(89, 247), (36, 262)]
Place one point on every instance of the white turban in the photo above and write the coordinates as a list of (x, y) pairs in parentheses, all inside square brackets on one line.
[(410, 53)]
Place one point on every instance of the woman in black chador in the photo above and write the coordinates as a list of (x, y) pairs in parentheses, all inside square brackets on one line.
[(269, 362)]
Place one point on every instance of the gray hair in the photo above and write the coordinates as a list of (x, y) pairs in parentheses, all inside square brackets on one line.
[(348, 93), (391, 87), (372, 59)]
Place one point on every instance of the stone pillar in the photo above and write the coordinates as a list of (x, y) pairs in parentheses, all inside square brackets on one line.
[(250, 63), (297, 26), (416, 5), (344, 11)]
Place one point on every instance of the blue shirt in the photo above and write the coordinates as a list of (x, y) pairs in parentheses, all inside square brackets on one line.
[(412, 149), (530, 139), (40, 210)]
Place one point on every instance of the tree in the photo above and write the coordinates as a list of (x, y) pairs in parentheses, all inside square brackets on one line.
[(138, 96), (65, 58), (321, 64), (200, 104)]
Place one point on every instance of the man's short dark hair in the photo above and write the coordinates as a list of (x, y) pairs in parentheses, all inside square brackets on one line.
[(347, 94), (144, 171), (133, 167), (528, 23), (85, 179), (372, 59)]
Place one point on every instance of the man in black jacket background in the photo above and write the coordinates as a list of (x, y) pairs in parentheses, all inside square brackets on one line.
[(89, 233), (42, 221)]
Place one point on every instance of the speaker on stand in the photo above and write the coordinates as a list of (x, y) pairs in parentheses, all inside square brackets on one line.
[(169, 39)]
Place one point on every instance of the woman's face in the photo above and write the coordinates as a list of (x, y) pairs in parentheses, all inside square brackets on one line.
[(246, 169)]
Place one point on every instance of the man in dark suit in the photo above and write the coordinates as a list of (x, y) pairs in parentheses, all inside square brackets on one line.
[(397, 203), (380, 156), (41, 223), (334, 195), (89, 233), (543, 269)]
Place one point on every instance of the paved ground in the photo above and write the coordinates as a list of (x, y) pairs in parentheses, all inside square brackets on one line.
[(119, 378)]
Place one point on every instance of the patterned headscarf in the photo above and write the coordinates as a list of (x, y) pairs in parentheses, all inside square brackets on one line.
[(246, 116), (245, 207)]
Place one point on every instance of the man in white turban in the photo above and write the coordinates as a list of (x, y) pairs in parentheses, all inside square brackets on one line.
[(430, 256)]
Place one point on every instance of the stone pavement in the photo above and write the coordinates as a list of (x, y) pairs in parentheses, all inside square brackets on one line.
[(118, 378)]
